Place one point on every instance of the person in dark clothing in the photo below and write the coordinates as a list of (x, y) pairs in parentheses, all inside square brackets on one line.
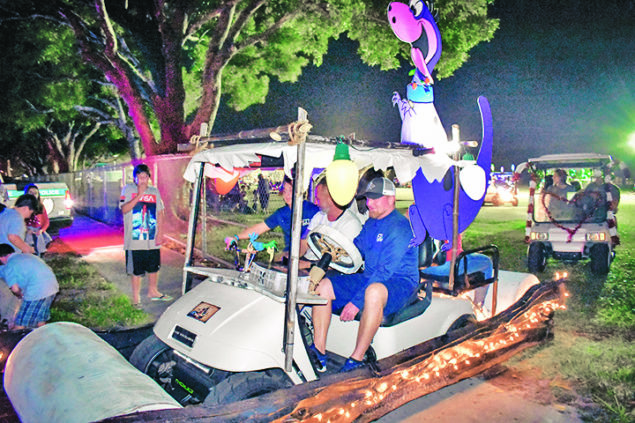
[(263, 193)]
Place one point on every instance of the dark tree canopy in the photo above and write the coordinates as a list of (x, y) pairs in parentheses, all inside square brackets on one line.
[(50, 99), (171, 61)]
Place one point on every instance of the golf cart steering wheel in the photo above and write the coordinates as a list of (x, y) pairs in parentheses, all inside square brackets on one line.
[(345, 257)]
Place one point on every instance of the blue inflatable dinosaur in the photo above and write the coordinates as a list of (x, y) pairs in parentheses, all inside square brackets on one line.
[(434, 199)]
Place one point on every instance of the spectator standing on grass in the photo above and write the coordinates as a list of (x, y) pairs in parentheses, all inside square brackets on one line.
[(32, 280), (142, 210), (37, 224), (12, 225)]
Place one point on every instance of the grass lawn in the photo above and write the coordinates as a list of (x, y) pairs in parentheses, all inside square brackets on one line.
[(86, 298), (592, 355)]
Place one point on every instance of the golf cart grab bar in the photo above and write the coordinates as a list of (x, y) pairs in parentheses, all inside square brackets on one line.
[(462, 258)]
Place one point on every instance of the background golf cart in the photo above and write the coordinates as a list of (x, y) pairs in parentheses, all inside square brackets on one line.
[(502, 189), (579, 227)]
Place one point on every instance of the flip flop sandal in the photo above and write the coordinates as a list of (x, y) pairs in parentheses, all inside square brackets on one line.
[(138, 306), (163, 297)]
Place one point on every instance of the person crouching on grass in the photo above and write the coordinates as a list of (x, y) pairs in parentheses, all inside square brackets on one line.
[(32, 280)]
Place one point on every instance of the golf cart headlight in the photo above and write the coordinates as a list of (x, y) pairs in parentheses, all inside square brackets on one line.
[(596, 236), (506, 196), (539, 236)]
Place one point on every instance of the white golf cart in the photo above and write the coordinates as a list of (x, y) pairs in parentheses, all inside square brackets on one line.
[(226, 338), (502, 189), (575, 223)]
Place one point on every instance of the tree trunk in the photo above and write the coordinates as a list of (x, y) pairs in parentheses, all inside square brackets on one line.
[(210, 100), (169, 101)]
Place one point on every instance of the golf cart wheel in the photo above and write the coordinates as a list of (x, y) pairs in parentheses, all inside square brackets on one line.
[(155, 359), (536, 258), (464, 321), (241, 386), (600, 259)]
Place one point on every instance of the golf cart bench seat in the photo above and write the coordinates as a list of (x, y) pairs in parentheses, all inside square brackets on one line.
[(481, 269), (418, 302)]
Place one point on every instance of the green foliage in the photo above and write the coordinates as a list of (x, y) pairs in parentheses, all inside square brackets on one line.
[(235, 51), (45, 81), (616, 306)]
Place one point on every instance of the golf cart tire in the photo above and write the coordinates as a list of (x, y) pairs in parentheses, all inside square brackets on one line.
[(536, 258), (241, 386), (145, 354), (600, 259), (155, 359), (462, 322)]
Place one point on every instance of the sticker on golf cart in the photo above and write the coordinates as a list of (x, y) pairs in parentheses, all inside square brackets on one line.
[(203, 311)]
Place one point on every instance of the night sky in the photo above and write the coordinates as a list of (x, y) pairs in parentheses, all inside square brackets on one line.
[(558, 80)]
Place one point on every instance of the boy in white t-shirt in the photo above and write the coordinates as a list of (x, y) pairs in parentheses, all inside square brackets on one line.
[(330, 214)]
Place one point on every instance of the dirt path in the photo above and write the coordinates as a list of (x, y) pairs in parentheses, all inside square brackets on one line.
[(498, 396)]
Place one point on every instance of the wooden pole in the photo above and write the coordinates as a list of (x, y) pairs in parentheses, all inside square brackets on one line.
[(191, 227), (455, 207), (294, 251)]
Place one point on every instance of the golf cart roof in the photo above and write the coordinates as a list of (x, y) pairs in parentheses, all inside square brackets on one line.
[(552, 161), (318, 155)]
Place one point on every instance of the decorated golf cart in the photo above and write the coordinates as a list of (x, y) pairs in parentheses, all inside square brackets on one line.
[(226, 339), (502, 189), (240, 334), (574, 220)]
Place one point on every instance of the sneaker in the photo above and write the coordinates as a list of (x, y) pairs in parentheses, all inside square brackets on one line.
[(351, 364), (319, 359)]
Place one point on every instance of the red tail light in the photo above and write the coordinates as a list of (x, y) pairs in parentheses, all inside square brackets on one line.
[(68, 201)]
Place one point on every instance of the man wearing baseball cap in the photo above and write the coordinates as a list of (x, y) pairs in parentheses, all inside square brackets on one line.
[(389, 278)]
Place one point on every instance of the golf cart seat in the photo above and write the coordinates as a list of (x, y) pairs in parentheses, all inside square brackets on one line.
[(417, 304), (472, 269)]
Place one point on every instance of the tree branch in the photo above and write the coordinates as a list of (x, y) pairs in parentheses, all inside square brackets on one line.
[(36, 110), (89, 111), (107, 29), (263, 36), (81, 145), (219, 37), (195, 25), (243, 16)]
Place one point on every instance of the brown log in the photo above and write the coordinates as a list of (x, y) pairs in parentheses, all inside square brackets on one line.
[(365, 396)]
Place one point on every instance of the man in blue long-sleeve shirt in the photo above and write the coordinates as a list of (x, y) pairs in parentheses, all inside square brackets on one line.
[(389, 279)]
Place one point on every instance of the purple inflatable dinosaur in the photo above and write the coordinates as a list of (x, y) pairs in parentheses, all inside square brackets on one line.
[(434, 199), (420, 122)]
